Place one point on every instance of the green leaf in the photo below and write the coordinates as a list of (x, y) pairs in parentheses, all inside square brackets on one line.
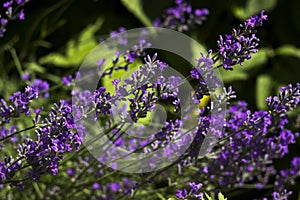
[(235, 75), (136, 8), (8, 86), (221, 196), (285, 70), (258, 59), (253, 7), (264, 86), (207, 196), (34, 67), (160, 196), (288, 50), (76, 50)]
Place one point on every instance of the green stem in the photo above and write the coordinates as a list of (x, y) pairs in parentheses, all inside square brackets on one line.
[(38, 190), (154, 175), (54, 87), (16, 133), (91, 141), (16, 59)]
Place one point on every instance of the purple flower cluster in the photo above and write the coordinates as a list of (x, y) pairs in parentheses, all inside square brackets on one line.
[(204, 72), (8, 133), (8, 168), (11, 12), (181, 17), (242, 152), (287, 176), (41, 86), (19, 103), (103, 101), (237, 47), (193, 192), (57, 134), (288, 99), (67, 80), (284, 195), (143, 84), (119, 40), (252, 140)]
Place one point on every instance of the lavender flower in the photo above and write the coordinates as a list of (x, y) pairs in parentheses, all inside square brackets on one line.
[(58, 135), (67, 80), (19, 103), (281, 196), (288, 99), (193, 192), (204, 72), (8, 168), (129, 55), (143, 84), (181, 17), (8, 133), (103, 101), (287, 176), (41, 86), (181, 194), (12, 12), (120, 40), (96, 186), (26, 77), (243, 153), (237, 47), (254, 140)]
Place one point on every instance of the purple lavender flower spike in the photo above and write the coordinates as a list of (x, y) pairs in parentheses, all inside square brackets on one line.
[(41, 86), (12, 12), (181, 194), (19, 103), (67, 80), (103, 101), (237, 47), (181, 17), (193, 192), (58, 135)]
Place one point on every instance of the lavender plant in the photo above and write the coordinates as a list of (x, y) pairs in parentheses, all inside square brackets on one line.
[(11, 11), (48, 151)]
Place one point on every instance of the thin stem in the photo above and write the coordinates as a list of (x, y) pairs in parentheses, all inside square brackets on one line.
[(91, 142), (16, 133), (15, 181), (16, 59), (94, 161), (53, 88), (79, 186), (242, 129), (154, 175), (77, 190), (20, 158)]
